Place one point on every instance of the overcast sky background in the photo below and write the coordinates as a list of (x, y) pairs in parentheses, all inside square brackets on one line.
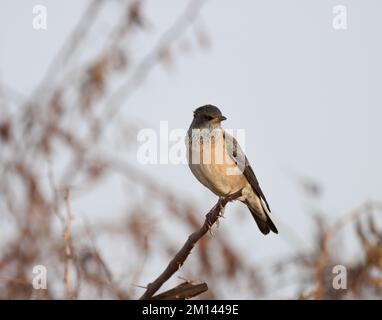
[(309, 97)]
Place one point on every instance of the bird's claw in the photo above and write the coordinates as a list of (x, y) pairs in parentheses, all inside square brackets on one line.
[(221, 208), (222, 211)]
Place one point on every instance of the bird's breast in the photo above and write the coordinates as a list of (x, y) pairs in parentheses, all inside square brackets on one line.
[(211, 164)]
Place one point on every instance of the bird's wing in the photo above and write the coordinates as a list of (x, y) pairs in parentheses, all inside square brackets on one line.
[(237, 154)]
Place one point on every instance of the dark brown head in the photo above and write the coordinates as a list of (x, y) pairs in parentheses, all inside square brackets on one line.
[(207, 116)]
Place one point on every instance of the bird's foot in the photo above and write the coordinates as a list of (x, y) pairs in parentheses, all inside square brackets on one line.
[(221, 211), (221, 208)]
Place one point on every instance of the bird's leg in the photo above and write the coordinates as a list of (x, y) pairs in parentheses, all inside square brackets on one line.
[(221, 208), (229, 198), (209, 220)]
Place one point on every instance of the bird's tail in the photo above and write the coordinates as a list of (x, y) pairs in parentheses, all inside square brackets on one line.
[(264, 225)]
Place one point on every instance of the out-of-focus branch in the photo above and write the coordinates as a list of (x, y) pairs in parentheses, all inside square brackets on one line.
[(10, 94), (68, 247), (323, 259), (174, 265), (71, 46), (140, 73)]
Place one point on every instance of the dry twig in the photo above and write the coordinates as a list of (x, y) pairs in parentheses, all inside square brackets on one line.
[(174, 265), (183, 291)]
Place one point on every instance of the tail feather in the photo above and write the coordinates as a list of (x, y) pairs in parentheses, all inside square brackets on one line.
[(264, 225)]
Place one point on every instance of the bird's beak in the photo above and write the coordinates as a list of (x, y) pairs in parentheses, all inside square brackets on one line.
[(222, 118)]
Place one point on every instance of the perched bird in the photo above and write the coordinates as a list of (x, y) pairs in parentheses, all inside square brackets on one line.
[(217, 161)]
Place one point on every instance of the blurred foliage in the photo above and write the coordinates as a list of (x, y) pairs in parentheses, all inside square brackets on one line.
[(67, 122)]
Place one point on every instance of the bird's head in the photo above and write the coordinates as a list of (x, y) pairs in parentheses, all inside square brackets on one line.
[(207, 116)]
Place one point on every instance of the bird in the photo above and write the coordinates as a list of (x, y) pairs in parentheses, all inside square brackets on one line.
[(217, 161)]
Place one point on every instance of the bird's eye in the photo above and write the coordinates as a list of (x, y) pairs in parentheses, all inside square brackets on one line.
[(209, 118)]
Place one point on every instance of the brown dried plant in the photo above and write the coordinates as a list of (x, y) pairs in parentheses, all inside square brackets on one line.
[(56, 150)]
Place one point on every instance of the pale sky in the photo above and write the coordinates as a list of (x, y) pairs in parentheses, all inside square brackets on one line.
[(308, 96)]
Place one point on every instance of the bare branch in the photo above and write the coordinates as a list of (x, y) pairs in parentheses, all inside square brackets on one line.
[(174, 265), (183, 291)]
